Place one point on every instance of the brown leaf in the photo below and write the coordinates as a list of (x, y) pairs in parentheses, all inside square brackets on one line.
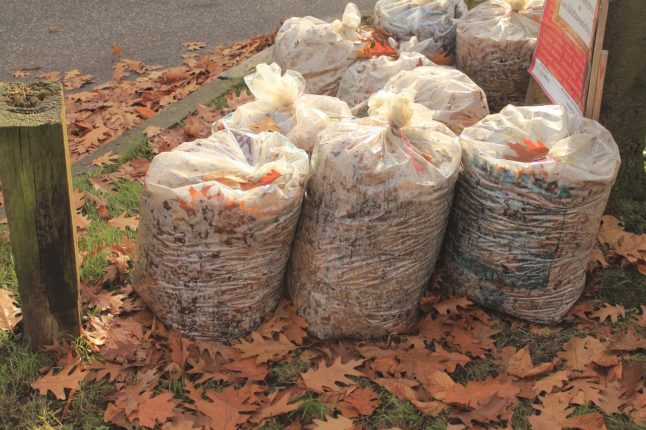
[(452, 305), (194, 46), (551, 381), (325, 378), (116, 50), (123, 221), (362, 401), (69, 377), (589, 421), (155, 410), (105, 159), (609, 311), (265, 349), (20, 73), (554, 411), (628, 340), (276, 405), (9, 312), (520, 363), (330, 423), (73, 80)]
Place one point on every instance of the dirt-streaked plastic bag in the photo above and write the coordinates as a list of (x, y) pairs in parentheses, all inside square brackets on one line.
[(280, 105), (364, 78), (217, 222), (318, 50), (528, 204), (454, 98), (495, 44), (434, 20), (373, 220)]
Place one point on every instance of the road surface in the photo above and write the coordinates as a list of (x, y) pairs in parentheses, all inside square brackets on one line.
[(58, 35)]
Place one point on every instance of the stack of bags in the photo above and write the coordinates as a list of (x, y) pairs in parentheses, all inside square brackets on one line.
[(223, 236)]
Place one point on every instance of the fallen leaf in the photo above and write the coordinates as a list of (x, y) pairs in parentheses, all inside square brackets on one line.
[(263, 349), (9, 312), (20, 73), (123, 221), (520, 363), (105, 159), (155, 410), (194, 46), (331, 423), (276, 405), (554, 411), (324, 377), (528, 151), (69, 377), (116, 50), (609, 311), (362, 401), (551, 381)]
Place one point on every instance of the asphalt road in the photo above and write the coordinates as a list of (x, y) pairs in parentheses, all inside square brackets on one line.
[(58, 35)]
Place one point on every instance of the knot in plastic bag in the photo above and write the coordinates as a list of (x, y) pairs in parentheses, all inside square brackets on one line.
[(517, 5), (269, 85), (349, 22), (396, 108)]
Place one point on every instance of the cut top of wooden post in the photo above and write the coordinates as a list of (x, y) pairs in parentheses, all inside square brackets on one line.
[(36, 180), (30, 104)]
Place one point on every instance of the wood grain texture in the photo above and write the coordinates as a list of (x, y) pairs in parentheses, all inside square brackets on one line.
[(36, 178)]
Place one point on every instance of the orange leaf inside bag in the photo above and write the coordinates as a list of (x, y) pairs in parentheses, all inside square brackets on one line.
[(528, 151)]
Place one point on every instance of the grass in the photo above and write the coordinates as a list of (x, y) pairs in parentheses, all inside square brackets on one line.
[(542, 348), (520, 417), (310, 408), (393, 412), (624, 287), (476, 370), (287, 372), (631, 212)]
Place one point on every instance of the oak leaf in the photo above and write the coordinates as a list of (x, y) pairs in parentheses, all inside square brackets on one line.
[(69, 377), (123, 222), (554, 411), (628, 340), (276, 405), (325, 378), (520, 363), (589, 421), (609, 311), (155, 410), (194, 45), (362, 401), (612, 398), (528, 151), (331, 423), (551, 381), (9, 312), (452, 305), (116, 50), (582, 391), (263, 349)]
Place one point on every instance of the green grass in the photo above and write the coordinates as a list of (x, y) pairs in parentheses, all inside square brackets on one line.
[(476, 370), (393, 412), (310, 408), (287, 372), (137, 149), (542, 348), (7, 273), (631, 212), (520, 417), (624, 287)]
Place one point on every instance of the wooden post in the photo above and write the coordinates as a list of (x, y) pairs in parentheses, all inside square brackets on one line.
[(36, 181)]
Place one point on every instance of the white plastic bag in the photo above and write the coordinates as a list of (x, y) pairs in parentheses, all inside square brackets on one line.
[(217, 221), (373, 220), (454, 98), (281, 105), (434, 20), (528, 204), (364, 78), (495, 44), (318, 50)]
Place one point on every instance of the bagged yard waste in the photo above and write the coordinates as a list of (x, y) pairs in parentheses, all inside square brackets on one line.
[(434, 20), (454, 98), (364, 78), (318, 50), (217, 221), (373, 219), (281, 105), (495, 44), (528, 204)]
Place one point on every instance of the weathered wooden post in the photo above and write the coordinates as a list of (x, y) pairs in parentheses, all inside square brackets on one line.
[(36, 181)]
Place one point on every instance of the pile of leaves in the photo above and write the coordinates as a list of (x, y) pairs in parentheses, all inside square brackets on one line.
[(467, 367)]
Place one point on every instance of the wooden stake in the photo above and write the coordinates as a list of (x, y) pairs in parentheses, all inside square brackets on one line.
[(36, 181), (598, 89), (599, 35)]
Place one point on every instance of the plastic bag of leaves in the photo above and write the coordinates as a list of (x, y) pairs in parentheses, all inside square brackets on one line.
[(318, 50), (280, 105), (364, 78), (495, 44), (218, 217), (434, 20), (529, 200), (373, 219), (454, 98)]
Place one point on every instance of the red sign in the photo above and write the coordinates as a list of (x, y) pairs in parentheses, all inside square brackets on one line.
[(563, 53)]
